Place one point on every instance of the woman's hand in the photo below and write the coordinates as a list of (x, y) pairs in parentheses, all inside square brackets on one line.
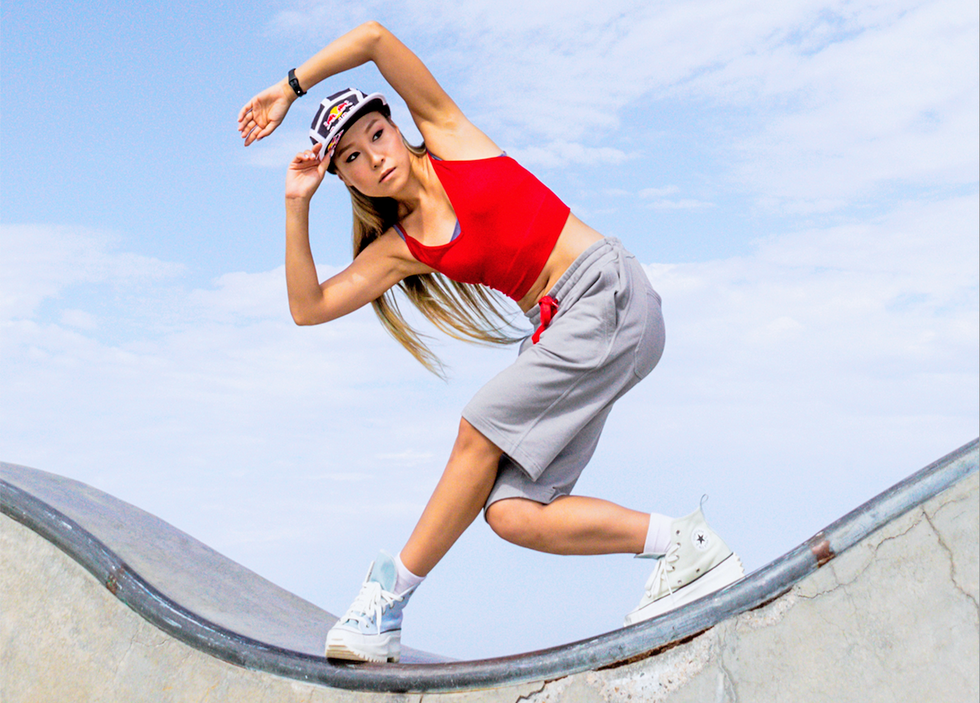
[(262, 114), (305, 174)]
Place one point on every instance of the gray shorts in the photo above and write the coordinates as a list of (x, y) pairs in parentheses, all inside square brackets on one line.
[(546, 410)]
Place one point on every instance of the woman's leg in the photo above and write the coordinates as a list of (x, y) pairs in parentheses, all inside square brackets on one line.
[(457, 500), (570, 525), (370, 630)]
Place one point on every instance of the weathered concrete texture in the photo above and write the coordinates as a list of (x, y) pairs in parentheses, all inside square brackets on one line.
[(208, 584), (893, 619), (64, 637)]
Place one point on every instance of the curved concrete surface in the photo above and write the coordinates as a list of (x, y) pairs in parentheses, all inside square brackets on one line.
[(882, 605)]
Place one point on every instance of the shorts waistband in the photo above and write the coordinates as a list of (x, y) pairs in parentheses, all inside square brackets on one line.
[(599, 250)]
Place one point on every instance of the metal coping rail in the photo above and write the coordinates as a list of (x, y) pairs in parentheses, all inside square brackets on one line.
[(602, 651)]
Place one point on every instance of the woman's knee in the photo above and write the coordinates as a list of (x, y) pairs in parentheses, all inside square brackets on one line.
[(515, 520)]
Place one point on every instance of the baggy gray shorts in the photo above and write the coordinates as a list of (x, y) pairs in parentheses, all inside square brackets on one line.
[(546, 410)]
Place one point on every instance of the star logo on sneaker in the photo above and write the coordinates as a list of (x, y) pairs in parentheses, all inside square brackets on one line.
[(700, 540)]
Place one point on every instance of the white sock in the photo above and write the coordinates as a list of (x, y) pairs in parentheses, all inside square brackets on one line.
[(658, 535), (404, 578)]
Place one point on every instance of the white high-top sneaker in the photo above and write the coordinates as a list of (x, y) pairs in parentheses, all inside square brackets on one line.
[(697, 563), (371, 629)]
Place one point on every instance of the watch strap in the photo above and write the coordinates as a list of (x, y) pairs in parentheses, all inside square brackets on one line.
[(294, 83)]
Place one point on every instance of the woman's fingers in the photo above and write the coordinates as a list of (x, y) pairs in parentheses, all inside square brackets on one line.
[(246, 108), (253, 120), (247, 124), (260, 116), (249, 132), (305, 159), (256, 127)]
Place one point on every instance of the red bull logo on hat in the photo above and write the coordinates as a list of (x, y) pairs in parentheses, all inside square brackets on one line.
[(332, 145), (337, 112)]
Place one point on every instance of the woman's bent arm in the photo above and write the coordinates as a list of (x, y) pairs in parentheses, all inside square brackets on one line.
[(381, 265)]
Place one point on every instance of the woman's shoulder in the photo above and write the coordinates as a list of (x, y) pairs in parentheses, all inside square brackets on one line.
[(459, 142), (393, 247)]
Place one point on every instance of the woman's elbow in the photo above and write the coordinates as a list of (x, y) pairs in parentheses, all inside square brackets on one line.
[(302, 316), (298, 318), (306, 315), (374, 30)]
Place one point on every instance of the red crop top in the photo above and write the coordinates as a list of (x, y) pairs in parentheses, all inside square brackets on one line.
[(509, 222)]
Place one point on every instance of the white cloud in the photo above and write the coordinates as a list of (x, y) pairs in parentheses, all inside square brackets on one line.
[(558, 154), (658, 192), (278, 151), (41, 261), (890, 97), (819, 312), (679, 204), (244, 296), (657, 199), (79, 319)]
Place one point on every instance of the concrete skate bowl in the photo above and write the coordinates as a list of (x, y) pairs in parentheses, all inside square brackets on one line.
[(101, 601)]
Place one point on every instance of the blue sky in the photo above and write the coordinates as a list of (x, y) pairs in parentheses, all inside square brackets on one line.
[(800, 181)]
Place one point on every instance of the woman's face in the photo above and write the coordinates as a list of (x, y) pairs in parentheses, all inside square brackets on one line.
[(372, 157)]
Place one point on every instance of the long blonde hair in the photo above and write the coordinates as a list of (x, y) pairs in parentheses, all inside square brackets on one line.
[(465, 311)]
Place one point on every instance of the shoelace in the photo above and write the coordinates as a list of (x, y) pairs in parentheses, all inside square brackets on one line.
[(370, 602), (660, 573)]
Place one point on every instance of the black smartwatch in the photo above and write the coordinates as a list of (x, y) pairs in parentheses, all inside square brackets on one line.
[(294, 83)]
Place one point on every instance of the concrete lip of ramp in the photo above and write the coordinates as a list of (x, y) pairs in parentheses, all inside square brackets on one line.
[(237, 617)]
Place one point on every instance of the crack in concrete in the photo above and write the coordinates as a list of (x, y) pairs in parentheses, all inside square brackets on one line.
[(727, 692), (527, 696), (869, 563), (952, 564), (556, 686)]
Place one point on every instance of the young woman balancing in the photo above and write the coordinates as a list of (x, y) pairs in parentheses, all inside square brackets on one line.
[(445, 224)]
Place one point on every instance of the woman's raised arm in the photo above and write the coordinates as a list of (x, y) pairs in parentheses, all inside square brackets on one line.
[(445, 129)]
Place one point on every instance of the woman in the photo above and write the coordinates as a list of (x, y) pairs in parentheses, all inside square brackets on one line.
[(443, 224)]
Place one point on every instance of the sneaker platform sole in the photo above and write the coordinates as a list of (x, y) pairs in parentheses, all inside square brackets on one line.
[(353, 646), (726, 573)]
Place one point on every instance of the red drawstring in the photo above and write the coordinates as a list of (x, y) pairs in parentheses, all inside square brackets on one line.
[(549, 306)]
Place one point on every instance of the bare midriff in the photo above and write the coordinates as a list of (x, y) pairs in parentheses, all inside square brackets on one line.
[(575, 238)]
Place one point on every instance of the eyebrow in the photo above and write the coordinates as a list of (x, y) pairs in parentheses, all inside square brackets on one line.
[(367, 128)]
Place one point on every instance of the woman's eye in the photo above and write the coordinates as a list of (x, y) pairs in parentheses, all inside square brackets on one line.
[(377, 135), (351, 157)]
